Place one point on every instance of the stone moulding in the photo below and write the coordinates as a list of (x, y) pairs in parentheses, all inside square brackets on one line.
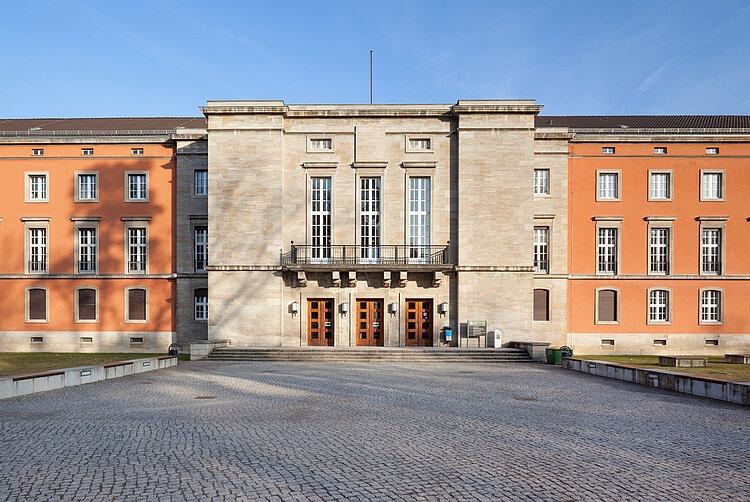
[(244, 268), (313, 165)]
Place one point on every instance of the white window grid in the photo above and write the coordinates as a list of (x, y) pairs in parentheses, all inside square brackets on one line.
[(608, 150), (541, 181), (541, 250), (321, 220), (369, 220), (201, 182), (87, 151), (136, 151), (659, 251), (321, 144), (420, 143), (607, 251), (86, 250), (37, 151), (660, 184), (419, 219), (711, 305), (658, 305), (711, 185), (608, 185), (38, 250), (660, 150), (201, 307), (137, 186), (87, 187), (711, 251), (712, 151), (137, 250), (201, 248), (37, 187)]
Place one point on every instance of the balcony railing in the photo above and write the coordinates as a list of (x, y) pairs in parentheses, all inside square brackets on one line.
[(397, 254)]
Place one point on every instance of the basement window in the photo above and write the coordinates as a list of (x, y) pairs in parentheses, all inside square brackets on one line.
[(712, 151), (712, 343), (660, 150), (87, 151), (37, 339), (87, 340), (659, 342), (136, 340), (608, 342)]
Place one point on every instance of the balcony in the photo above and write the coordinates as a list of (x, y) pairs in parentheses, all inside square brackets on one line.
[(364, 257)]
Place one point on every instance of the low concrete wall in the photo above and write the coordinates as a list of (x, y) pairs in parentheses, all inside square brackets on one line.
[(201, 349), (49, 380), (536, 350), (714, 388)]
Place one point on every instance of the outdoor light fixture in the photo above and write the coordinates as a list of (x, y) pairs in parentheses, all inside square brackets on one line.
[(393, 308), (344, 308), (295, 307), (443, 307)]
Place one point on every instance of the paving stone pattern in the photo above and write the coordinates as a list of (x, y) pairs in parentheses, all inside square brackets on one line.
[(339, 431)]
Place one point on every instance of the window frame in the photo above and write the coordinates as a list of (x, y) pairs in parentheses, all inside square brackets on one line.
[(711, 152), (722, 186), (196, 228), (135, 224), (547, 251), (660, 224), (712, 225), (548, 182), (312, 137), (35, 150), (77, 186), (195, 183), (126, 304), (618, 298), (27, 186), (608, 224), (76, 305), (408, 213), (549, 309), (127, 186), (669, 310), (660, 153), (374, 252), (87, 152), (195, 306), (77, 227), (608, 152), (136, 151), (720, 321), (27, 305), (670, 185), (618, 173), (408, 138), (28, 227)]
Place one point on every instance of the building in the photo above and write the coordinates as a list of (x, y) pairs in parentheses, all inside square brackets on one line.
[(376, 225)]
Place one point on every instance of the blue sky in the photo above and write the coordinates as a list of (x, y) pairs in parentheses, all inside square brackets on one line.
[(165, 58)]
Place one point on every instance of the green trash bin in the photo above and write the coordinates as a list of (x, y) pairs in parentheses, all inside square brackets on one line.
[(554, 356), (550, 353)]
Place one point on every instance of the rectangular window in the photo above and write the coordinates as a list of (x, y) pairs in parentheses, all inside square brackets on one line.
[(659, 251), (711, 305), (711, 186), (87, 250), (712, 151), (419, 220), (660, 185), (38, 187), (660, 150), (37, 151), (369, 220), (86, 304), (541, 250), (201, 182), (541, 305), (37, 304), (541, 181), (137, 187), (201, 304), (87, 151), (607, 306), (608, 150), (136, 305), (321, 220), (419, 143), (137, 250), (321, 144), (608, 186), (136, 151), (38, 250), (711, 251), (201, 248), (87, 187), (607, 251), (658, 305)]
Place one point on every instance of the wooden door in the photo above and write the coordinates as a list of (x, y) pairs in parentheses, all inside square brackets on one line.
[(370, 323), (320, 322), (418, 323)]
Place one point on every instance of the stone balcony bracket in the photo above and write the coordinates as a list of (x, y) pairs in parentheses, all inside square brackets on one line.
[(336, 278), (386, 278), (402, 278), (302, 278)]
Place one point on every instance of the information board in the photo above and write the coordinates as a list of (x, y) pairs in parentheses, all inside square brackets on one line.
[(475, 329)]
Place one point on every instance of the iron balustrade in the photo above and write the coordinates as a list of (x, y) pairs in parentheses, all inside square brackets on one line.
[(396, 254)]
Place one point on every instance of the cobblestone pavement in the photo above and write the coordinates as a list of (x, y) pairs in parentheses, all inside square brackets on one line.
[(330, 431)]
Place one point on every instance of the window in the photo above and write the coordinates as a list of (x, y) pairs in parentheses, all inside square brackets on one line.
[(37, 188), (87, 309), (711, 251), (201, 248), (660, 150), (541, 250), (137, 250), (38, 250), (37, 151), (419, 143), (607, 251), (541, 305), (201, 304), (136, 189), (201, 182), (607, 308), (321, 220), (87, 250), (419, 220), (369, 220), (660, 185), (712, 186), (609, 186), (608, 150), (711, 306), (87, 190), (87, 151), (136, 305), (321, 144), (658, 306), (36, 305), (541, 181), (136, 151), (659, 251), (712, 151)]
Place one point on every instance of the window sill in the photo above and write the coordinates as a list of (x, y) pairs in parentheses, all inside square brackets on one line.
[(40, 321), (710, 323), (611, 323), (136, 322), (86, 321), (659, 323)]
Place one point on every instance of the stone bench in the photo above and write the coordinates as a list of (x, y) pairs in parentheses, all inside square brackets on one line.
[(683, 361), (737, 358)]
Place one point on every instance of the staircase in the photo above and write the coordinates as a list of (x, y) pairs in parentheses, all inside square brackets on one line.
[(374, 354)]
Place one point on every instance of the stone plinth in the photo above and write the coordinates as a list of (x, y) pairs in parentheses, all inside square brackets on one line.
[(683, 361)]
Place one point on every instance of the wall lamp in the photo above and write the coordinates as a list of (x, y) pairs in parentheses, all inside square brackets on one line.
[(294, 308), (393, 307), (344, 308), (443, 307)]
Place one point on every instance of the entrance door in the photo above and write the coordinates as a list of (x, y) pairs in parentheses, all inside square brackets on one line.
[(370, 323), (419, 323), (320, 322)]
